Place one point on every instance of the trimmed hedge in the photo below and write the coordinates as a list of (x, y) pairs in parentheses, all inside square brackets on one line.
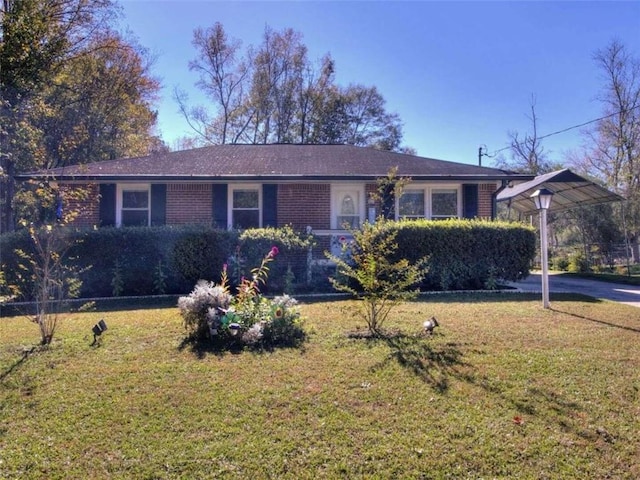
[(467, 254), (158, 260), (463, 254)]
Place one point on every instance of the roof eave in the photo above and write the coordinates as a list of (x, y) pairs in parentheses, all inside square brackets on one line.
[(259, 178)]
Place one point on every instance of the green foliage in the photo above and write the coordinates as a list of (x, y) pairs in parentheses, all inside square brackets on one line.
[(159, 279), (366, 270), (292, 258), (560, 262), (73, 90), (466, 254), (148, 260), (212, 314), (201, 252), (117, 282), (578, 262)]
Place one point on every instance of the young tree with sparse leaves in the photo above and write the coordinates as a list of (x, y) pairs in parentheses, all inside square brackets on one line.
[(366, 271)]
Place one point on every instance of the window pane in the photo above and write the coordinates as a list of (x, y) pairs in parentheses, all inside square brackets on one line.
[(246, 199), (135, 199), (348, 206), (351, 221), (411, 204), (134, 218), (444, 203), (243, 219)]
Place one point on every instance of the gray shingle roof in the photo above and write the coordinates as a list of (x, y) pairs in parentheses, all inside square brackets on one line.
[(274, 162)]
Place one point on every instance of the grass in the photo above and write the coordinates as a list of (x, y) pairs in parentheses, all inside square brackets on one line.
[(504, 389)]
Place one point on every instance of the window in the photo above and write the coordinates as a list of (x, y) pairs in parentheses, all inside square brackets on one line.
[(424, 201), (444, 203), (245, 207), (134, 205), (347, 206), (411, 204)]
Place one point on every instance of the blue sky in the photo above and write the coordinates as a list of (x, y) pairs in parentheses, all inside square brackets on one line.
[(459, 74)]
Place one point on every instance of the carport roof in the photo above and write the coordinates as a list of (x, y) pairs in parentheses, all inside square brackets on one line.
[(569, 189)]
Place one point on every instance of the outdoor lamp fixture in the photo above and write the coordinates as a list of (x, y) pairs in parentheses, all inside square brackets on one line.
[(542, 199), (97, 330)]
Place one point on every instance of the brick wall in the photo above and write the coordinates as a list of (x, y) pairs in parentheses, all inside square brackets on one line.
[(83, 200), (302, 205), (485, 199), (189, 204)]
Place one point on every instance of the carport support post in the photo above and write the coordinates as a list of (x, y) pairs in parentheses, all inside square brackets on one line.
[(542, 198)]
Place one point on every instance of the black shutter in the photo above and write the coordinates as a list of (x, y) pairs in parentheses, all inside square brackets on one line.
[(219, 207), (269, 205), (158, 204), (107, 204), (470, 201)]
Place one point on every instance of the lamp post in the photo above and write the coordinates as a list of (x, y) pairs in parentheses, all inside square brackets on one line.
[(542, 198)]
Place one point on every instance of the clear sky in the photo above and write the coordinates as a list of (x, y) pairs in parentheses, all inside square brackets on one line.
[(459, 74)]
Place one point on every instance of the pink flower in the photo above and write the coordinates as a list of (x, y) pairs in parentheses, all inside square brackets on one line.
[(342, 239), (224, 267), (273, 252)]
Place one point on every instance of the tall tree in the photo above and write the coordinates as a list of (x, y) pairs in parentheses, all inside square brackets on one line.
[(612, 148), (527, 153), (72, 90), (102, 105), (274, 94), (223, 77)]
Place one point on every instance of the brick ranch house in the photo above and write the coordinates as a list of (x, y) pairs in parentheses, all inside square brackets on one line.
[(242, 186)]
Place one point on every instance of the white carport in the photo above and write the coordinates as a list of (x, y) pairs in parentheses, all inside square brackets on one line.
[(569, 189)]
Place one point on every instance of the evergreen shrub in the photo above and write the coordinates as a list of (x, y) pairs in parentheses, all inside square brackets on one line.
[(467, 254)]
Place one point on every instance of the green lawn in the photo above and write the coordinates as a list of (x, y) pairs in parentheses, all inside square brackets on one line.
[(504, 389)]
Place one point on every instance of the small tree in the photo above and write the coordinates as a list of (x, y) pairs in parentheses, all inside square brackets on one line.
[(388, 189), (366, 270), (46, 267), (53, 280)]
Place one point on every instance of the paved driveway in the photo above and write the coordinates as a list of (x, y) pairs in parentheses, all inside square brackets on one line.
[(616, 292)]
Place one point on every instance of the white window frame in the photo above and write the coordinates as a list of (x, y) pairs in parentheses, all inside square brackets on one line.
[(230, 209), (428, 203), (125, 187), (457, 188), (339, 188)]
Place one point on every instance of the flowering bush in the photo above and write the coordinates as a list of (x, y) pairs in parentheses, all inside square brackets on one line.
[(211, 312)]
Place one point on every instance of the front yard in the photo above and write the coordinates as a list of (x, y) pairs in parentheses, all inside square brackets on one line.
[(503, 389)]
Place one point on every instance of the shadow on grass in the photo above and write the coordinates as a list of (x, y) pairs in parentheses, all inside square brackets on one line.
[(601, 322), (221, 347), (17, 363), (434, 364), (438, 364)]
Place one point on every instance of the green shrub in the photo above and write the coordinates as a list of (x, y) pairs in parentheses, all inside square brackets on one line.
[(367, 270), (578, 263), (560, 263), (292, 257), (467, 254), (200, 253)]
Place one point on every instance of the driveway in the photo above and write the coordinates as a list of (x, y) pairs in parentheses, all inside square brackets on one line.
[(559, 283)]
